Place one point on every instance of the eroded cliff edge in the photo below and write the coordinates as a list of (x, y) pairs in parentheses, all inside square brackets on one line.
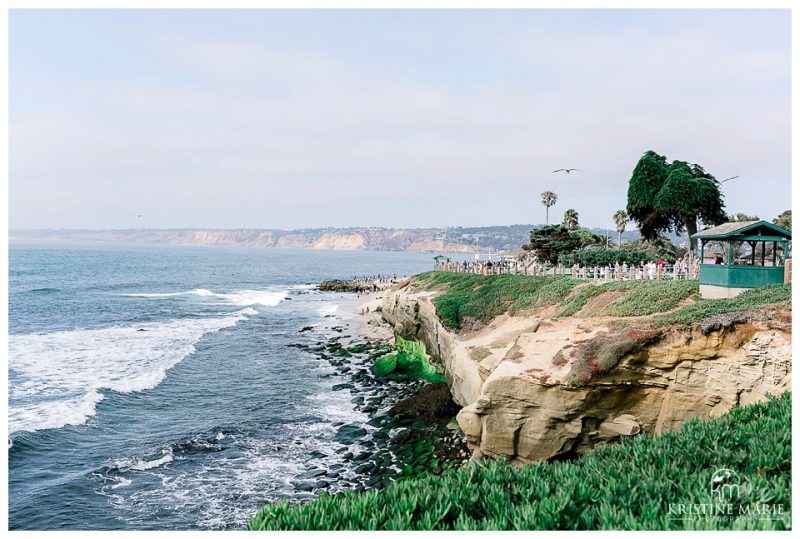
[(539, 386)]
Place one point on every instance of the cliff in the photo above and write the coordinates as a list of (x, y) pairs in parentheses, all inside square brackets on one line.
[(456, 239), (545, 385)]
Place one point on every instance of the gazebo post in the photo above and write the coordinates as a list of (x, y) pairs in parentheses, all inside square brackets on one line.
[(702, 249), (763, 251), (753, 252), (730, 253), (774, 252)]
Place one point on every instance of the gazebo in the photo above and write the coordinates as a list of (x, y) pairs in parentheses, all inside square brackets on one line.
[(737, 256)]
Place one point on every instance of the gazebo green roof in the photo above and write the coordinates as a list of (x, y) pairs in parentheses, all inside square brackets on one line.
[(745, 230)]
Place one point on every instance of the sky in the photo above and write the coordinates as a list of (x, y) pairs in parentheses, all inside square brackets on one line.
[(431, 118)]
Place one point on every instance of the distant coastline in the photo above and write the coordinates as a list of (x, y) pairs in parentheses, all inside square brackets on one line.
[(491, 239)]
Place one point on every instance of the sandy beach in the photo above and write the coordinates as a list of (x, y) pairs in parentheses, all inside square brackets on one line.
[(367, 320)]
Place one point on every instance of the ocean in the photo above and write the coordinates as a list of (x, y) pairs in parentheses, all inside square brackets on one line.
[(171, 387)]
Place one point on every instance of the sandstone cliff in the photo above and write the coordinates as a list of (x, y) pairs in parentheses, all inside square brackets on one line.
[(464, 240), (531, 386)]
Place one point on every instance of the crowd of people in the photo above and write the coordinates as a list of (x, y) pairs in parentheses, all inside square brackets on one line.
[(682, 268), (375, 283)]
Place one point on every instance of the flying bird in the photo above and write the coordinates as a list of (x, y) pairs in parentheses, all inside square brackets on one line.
[(567, 170), (731, 178), (139, 215)]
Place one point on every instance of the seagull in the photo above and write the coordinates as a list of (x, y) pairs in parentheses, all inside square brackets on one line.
[(567, 170), (139, 215), (731, 178)]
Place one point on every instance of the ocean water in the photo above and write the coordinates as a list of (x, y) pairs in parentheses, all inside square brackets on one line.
[(153, 387)]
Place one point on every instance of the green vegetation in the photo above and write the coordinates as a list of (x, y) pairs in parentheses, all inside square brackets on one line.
[(665, 197), (410, 361), (580, 297), (620, 222), (553, 241), (752, 299), (602, 353), (784, 220), (571, 219), (604, 257), (628, 486), (549, 198), (648, 297), (483, 297)]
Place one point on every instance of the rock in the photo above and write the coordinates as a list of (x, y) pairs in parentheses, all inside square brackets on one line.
[(311, 474), (322, 484), (349, 434), (339, 387), (305, 486), (523, 408), (622, 425), (377, 421), (306, 328), (363, 468)]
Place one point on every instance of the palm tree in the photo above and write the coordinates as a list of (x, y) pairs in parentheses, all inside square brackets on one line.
[(549, 198), (571, 219), (620, 219)]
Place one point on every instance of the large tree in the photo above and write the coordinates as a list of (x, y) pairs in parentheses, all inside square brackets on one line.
[(551, 241), (671, 197), (549, 198), (646, 181), (784, 220)]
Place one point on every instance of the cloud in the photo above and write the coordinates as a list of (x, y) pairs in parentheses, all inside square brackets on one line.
[(219, 124)]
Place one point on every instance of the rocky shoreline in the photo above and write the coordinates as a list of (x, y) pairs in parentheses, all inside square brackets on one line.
[(411, 430)]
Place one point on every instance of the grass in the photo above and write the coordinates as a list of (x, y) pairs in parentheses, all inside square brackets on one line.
[(628, 486), (705, 308)]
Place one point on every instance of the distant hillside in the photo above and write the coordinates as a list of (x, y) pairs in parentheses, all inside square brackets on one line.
[(452, 239)]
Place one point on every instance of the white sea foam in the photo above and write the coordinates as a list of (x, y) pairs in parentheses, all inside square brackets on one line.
[(140, 465), (57, 375), (122, 482), (327, 309), (242, 298)]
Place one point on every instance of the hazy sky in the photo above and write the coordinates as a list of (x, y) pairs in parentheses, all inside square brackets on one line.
[(293, 119)]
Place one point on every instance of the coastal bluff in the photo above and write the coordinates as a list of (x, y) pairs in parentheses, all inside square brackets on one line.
[(543, 384)]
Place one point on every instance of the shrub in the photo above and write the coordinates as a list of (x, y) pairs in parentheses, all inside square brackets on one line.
[(604, 257), (602, 353), (705, 308), (484, 297), (648, 297)]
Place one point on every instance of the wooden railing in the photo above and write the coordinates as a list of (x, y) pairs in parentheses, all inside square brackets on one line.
[(606, 273)]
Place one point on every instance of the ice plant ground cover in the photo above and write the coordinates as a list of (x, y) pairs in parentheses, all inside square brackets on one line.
[(643, 483)]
